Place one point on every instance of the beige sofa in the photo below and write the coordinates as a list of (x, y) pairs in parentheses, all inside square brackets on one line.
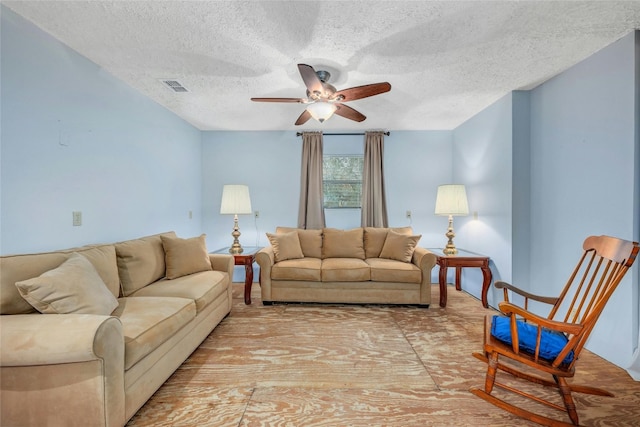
[(119, 320), (362, 265)]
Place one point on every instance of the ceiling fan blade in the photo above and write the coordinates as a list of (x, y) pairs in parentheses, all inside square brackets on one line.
[(360, 92), (349, 113), (310, 78), (299, 100), (303, 118)]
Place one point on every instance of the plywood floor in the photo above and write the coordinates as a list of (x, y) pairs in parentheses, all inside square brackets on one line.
[(349, 365)]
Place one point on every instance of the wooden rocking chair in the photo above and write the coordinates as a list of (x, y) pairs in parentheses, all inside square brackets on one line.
[(552, 345)]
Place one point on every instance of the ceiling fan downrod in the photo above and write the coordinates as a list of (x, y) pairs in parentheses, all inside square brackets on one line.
[(323, 75)]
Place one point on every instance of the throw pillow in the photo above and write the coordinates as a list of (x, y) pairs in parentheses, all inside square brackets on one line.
[(185, 256), (342, 243), (285, 246), (374, 238), (551, 342), (310, 240), (399, 246), (73, 287)]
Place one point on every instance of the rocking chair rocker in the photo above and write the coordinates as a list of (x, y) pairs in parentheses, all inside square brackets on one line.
[(552, 345)]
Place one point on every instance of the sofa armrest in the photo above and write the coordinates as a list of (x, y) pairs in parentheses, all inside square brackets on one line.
[(41, 339), (223, 262), (265, 259), (425, 260), (53, 361)]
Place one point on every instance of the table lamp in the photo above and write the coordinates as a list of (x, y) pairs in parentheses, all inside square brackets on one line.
[(452, 201), (235, 201)]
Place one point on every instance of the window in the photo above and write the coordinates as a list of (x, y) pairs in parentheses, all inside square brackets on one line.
[(342, 181)]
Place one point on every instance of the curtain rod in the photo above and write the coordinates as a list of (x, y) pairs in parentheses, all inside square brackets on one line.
[(343, 134)]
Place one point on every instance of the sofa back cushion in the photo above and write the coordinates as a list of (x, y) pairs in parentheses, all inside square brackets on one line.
[(374, 238), (343, 243), (141, 262), (310, 240), (16, 268)]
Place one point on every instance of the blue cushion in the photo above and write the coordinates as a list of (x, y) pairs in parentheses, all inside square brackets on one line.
[(551, 342)]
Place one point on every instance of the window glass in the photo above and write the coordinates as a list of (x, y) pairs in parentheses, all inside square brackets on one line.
[(342, 181)]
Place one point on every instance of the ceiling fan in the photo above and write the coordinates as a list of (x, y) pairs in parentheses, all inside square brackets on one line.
[(323, 100)]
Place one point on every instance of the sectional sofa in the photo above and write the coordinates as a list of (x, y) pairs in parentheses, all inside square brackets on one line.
[(361, 265), (89, 334)]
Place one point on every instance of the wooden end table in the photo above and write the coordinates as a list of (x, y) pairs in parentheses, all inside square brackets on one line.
[(459, 261), (246, 258)]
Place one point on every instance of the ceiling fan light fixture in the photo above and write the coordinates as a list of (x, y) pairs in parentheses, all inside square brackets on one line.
[(321, 110)]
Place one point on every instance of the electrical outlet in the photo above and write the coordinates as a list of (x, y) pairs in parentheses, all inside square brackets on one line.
[(257, 214), (409, 214), (77, 218)]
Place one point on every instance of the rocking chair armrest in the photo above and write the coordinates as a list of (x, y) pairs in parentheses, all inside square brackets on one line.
[(509, 309), (527, 295)]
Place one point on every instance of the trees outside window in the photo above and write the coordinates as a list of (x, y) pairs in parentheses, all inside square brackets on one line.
[(342, 181)]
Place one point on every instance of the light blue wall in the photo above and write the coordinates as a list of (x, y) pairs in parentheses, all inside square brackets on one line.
[(634, 369), (584, 151), (521, 189), (269, 163), (415, 164), (74, 138), (482, 152), (544, 169), (491, 158)]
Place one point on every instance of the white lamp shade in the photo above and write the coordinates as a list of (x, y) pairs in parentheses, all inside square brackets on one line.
[(235, 200), (452, 200), (321, 110)]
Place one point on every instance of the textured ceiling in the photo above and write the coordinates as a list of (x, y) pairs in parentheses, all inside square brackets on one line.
[(445, 60)]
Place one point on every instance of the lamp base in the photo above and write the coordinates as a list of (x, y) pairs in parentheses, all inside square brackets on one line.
[(450, 249), (236, 247), (236, 250)]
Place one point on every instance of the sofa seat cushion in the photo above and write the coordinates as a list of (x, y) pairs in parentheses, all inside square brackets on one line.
[(345, 270), (147, 322), (389, 270), (204, 288), (306, 269)]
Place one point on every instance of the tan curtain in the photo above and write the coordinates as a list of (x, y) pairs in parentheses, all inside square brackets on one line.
[(374, 202), (311, 211)]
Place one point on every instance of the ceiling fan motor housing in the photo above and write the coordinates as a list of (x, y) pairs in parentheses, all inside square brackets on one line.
[(328, 90)]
